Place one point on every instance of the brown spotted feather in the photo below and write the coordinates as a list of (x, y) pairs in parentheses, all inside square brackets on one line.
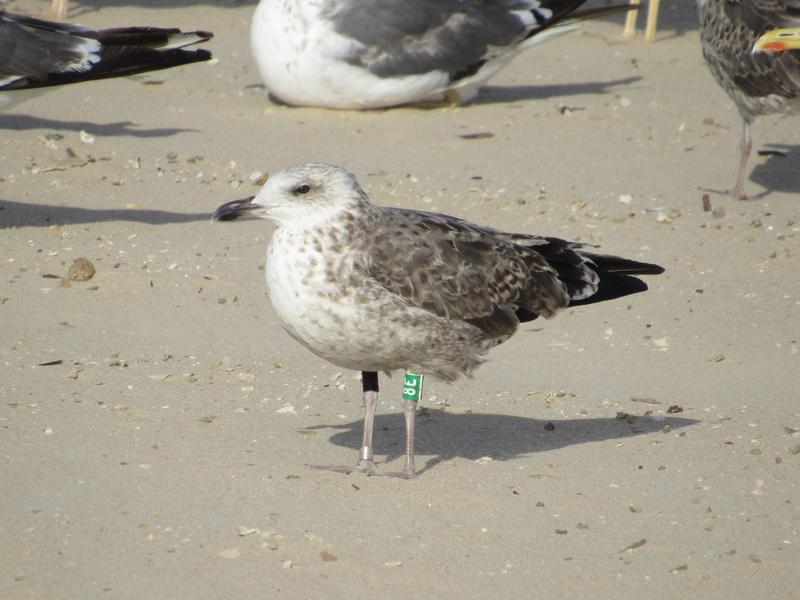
[(760, 83)]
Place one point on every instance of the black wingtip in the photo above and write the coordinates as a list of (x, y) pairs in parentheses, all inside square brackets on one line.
[(612, 287), (607, 263), (121, 61)]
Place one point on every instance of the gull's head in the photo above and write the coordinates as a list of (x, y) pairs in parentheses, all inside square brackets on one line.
[(301, 194)]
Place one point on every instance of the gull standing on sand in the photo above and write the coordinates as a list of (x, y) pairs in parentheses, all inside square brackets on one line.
[(360, 54), (760, 82), (36, 54), (374, 288)]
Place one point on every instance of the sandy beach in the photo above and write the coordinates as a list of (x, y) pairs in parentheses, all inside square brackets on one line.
[(157, 424)]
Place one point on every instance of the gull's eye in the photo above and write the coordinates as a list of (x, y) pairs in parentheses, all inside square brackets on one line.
[(301, 190)]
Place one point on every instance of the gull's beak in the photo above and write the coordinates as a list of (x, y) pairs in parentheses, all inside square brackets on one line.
[(778, 40), (239, 209)]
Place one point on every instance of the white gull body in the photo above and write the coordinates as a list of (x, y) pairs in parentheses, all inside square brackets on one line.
[(360, 54)]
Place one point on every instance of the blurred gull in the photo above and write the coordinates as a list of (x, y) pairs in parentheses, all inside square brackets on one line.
[(357, 54)]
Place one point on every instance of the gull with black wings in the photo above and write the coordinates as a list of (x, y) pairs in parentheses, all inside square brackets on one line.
[(375, 288)]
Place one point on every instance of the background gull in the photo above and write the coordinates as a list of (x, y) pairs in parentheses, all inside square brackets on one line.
[(381, 53), (375, 288), (36, 54), (759, 83)]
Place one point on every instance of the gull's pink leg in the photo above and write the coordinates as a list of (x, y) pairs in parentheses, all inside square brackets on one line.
[(369, 383), (410, 411), (409, 470), (745, 146), (366, 462)]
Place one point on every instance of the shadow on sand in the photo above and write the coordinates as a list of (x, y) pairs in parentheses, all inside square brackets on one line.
[(21, 214), (491, 94), (447, 435), (23, 122), (778, 173)]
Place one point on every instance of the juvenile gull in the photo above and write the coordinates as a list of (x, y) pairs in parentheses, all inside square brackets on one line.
[(357, 54), (36, 54), (759, 83), (375, 288)]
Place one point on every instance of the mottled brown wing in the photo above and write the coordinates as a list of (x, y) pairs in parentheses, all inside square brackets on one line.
[(729, 29), (463, 271)]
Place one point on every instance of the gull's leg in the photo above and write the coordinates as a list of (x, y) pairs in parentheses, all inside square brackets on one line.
[(745, 146), (59, 9), (652, 20), (409, 470), (366, 463), (630, 21), (410, 411), (369, 384)]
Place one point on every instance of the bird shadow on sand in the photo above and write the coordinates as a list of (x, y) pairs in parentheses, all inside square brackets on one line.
[(780, 172), (446, 435), (492, 94), (21, 214), (22, 122)]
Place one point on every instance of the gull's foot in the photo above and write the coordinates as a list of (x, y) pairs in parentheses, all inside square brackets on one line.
[(738, 195), (364, 466), (409, 470), (401, 474)]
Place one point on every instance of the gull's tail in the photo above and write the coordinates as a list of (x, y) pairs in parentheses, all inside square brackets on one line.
[(564, 17), (615, 277)]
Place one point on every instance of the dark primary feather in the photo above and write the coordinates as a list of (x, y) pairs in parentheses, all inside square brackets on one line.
[(37, 53), (456, 36), (491, 279)]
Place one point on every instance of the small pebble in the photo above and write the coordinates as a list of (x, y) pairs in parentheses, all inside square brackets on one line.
[(680, 568), (81, 270)]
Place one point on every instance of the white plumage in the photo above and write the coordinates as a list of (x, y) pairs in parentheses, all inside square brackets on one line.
[(360, 54)]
